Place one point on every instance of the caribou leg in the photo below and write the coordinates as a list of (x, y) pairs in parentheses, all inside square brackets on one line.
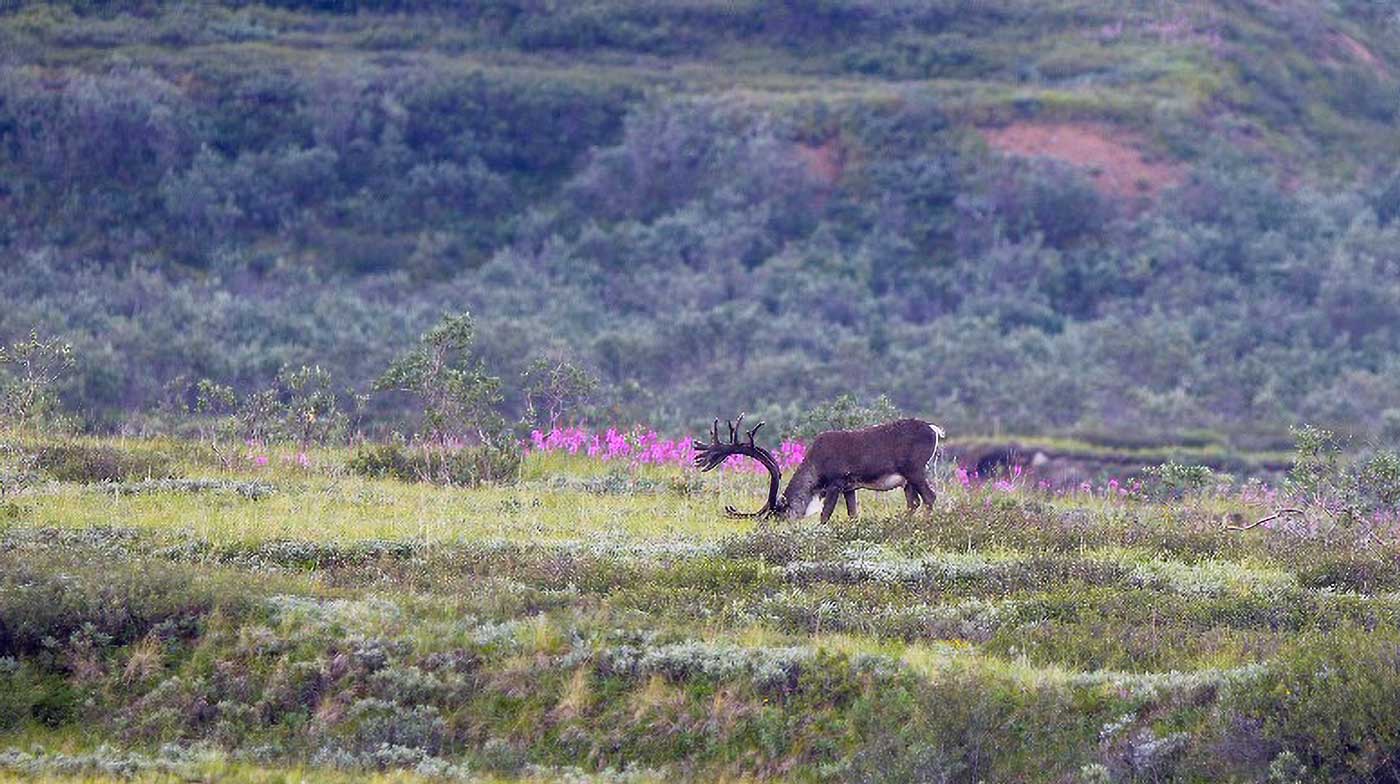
[(851, 503), (829, 504), (919, 480), (911, 497)]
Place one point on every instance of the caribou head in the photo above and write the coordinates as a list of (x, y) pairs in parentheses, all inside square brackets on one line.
[(838, 462)]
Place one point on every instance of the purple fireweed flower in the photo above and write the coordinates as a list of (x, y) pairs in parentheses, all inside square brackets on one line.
[(640, 447)]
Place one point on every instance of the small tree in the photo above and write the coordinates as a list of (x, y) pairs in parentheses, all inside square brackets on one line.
[(552, 388), (356, 402), (212, 399), (311, 411), (259, 415), (213, 406), (1175, 480), (33, 367), (1331, 489), (459, 398), (1321, 478), (843, 413)]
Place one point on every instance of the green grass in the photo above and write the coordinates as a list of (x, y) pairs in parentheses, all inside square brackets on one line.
[(592, 616)]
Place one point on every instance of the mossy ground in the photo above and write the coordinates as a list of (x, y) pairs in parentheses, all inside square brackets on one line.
[(597, 621)]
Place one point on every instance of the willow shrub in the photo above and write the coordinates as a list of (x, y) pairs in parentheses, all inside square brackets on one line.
[(1329, 700), (465, 466)]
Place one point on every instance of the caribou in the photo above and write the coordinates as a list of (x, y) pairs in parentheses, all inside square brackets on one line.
[(838, 463)]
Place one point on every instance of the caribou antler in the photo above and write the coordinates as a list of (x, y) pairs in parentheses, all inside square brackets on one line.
[(712, 455)]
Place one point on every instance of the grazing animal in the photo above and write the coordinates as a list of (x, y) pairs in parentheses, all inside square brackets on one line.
[(838, 463)]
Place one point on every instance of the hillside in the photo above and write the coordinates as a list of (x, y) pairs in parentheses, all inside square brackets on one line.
[(1029, 216)]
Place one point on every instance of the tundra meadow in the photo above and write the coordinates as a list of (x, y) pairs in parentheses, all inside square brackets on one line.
[(274, 613)]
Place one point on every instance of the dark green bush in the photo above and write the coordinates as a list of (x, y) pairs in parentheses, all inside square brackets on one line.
[(1364, 574), (91, 464), (843, 413), (56, 704), (465, 467), (17, 693), (1330, 699), (45, 600)]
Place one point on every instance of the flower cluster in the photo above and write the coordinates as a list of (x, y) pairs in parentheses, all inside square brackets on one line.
[(969, 479), (640, 446), (259, 456)]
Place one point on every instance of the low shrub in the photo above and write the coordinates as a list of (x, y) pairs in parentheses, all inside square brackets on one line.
[(1360, 573), (465, 467), (47, 599), (302, 554), (106, 763), (372, 725), (1330, 699), (86, 464), (253, 491), (768, 669), (619, 483), (15, 482)]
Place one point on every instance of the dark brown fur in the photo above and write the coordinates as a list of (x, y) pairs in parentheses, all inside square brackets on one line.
[(839, 461)]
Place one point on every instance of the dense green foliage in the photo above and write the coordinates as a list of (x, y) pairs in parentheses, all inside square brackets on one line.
[(466, 467), (715, 206), (74, 462), (458, 397)]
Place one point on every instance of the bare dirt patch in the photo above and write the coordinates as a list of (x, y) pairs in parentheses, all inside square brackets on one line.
[(825, 162), (1112, 159)]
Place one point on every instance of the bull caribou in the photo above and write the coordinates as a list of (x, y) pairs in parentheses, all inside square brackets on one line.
[(838, 463)]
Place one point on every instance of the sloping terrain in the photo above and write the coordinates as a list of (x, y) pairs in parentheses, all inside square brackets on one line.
[(975, 207)]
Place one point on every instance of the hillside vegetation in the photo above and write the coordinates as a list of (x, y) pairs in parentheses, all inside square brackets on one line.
[(1037, 216)]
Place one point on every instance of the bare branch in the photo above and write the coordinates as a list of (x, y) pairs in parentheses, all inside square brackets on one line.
[(1276, 515)]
